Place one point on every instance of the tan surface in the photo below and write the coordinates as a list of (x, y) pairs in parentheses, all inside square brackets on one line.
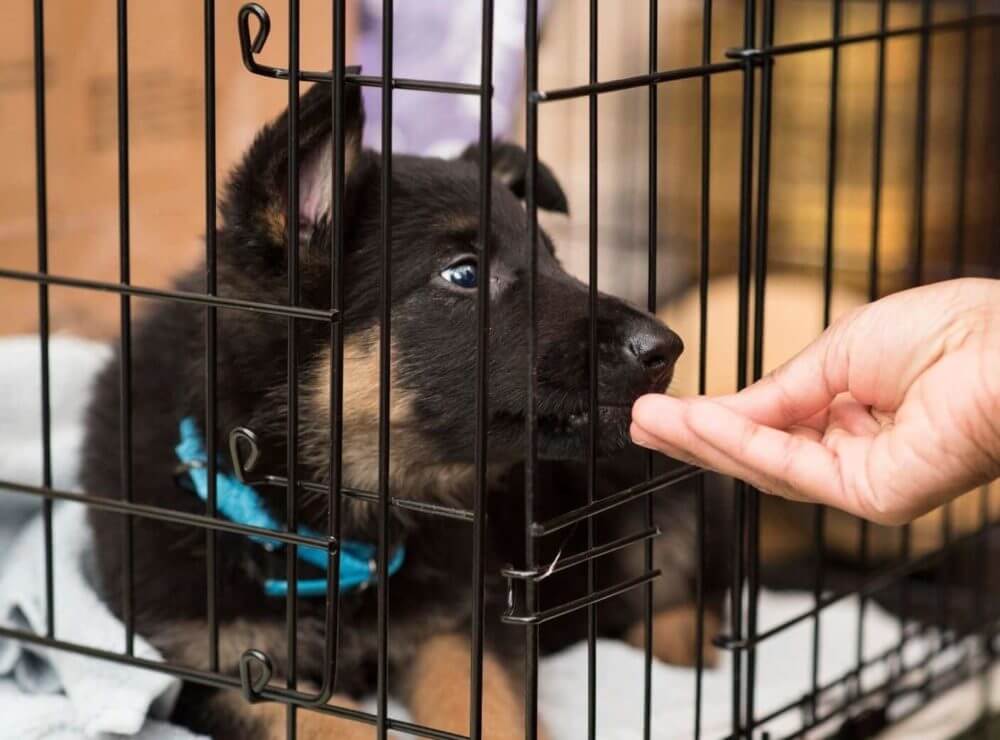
[(167, 139)]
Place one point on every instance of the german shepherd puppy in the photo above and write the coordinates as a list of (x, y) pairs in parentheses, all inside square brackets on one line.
[(435, 247)]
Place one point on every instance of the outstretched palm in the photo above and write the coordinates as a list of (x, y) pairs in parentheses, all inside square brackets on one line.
[(894, 410)]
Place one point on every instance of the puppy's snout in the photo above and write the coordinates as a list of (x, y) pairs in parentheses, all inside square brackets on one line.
[(655, 349)]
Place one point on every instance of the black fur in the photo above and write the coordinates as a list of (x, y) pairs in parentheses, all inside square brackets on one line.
[(434, 224)]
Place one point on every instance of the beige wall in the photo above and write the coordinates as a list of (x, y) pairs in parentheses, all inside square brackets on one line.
[(167, 143)]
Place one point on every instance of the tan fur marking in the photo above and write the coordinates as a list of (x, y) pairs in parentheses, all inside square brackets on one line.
[(268, 720), (675, 632), (439, 691), (413, 469), (274, 222)]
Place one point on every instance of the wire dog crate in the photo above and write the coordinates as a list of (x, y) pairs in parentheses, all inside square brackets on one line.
[(862, 709)]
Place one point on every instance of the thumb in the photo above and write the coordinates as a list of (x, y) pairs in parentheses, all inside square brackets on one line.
[(797, 390)]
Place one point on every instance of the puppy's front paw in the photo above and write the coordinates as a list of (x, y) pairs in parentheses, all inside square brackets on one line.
[(675, 636)]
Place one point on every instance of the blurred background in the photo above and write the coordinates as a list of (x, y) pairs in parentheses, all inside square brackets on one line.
[(439, 40), (167, 136)]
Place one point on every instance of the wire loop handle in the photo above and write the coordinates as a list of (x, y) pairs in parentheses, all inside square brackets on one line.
[(251, 46)]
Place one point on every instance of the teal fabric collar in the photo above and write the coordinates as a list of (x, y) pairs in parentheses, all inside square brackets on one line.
[(240, 503)]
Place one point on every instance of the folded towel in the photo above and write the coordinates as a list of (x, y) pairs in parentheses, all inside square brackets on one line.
[(52, 717), (47, 693), (105, 696)]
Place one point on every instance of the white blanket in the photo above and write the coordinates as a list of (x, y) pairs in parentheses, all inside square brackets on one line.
[(69, 697)]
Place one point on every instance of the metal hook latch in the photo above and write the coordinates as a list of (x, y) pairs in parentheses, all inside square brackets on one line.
[(253, 45), (252, 683), (243, 466)]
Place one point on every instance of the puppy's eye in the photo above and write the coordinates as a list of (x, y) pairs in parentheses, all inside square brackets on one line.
[(464, 274)]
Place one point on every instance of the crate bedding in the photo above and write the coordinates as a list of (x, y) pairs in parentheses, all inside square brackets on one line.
[(51, 694)]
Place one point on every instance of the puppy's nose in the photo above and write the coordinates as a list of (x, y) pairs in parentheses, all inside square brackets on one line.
[(655, 347)]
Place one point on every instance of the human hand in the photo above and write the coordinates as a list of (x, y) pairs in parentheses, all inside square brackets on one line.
[(893, 411)]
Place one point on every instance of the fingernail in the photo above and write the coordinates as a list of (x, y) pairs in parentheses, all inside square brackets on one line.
[(650, 408), (641, 437)]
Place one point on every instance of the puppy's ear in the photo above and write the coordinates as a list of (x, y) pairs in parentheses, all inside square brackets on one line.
[(257, 197), (510, 166)]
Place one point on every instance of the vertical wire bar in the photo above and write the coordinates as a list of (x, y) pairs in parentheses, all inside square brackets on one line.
[(482, 360), (652, 236), (917, 277), (819, 512), (385, 359), (743, 319), (125, 376), (984, 607), (531, 426), (962, 155), (338, 167), (211, 286), (42, 214), (944, 572), (760, 285), (705, 237), (873, 280), (920, 144), (292, 421), (592, 426), (947, 572)]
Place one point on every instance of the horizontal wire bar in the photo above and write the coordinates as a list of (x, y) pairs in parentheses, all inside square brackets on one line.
[(178, 517), (218, 680), (704, 70), (628, 83), (421, 507), (540, 574), (157, 513), (874, 585), (685, 472), (582, 602), (397, 83), (860, 38), (170, 295), (401, 83)]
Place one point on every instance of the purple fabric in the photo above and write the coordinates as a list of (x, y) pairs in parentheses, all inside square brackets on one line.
[(440, 40)]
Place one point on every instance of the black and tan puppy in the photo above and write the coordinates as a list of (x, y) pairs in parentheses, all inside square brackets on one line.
[(435, 240)]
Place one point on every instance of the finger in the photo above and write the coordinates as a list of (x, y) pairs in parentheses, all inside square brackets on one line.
[(710, 458), (853, 417), (800, 389), (792, 465)]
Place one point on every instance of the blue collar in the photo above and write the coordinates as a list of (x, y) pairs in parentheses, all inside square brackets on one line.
[(240, 503)]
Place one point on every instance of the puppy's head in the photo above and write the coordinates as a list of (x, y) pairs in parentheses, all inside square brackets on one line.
[(436, 248)]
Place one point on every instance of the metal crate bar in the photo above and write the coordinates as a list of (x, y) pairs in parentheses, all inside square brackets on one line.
[(209, 678), (481, 442), (42, 226), (201, 299), (125, 374), (211, 336), (880, 582), (704, 245), (606, 503), (652, 240), (533, 619), (531, 422), (627, 83), (384, 360)]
